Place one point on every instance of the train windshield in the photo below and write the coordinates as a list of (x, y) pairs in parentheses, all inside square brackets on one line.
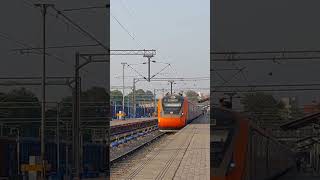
[(172, 104)]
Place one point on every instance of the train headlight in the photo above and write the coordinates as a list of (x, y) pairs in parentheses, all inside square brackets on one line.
[(182, 114), (232, 165)]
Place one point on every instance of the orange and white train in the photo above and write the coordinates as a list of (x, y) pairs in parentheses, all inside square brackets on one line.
[(175, 112), (242, 151)]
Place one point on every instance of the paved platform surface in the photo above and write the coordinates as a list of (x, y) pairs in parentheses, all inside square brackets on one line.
[(117, 122), (187, 156)]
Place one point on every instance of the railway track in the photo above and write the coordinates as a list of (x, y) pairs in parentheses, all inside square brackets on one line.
[(145, 142), (122, 166)]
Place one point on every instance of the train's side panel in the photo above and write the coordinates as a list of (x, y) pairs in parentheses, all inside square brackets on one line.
[(255, 154), (186, 110), (193, 111), (266, 157), (240, 152)]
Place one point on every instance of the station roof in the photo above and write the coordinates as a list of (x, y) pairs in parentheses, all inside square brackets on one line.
[(302, 122)]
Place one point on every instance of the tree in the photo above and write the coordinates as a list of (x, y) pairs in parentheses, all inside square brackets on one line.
[(263, 106), (149, 96), (18, 98), (95, 94), (116, 96), (192, 95), (142, 96), (94, 109), (21, 105)]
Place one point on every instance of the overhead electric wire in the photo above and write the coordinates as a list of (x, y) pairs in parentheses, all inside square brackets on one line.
[(160, 71), (80, 28), (4, 36), (137, 72), (231, 78), (130, 34), (141, 45), (269, 85), (126, 30), (264, 52), (57, 47), (55, 16), (86, 8)]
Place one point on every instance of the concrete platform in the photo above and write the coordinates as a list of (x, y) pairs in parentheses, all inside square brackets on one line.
[(117, 122), (186, 156)]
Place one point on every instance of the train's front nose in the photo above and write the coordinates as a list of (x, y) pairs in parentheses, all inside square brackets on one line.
[(171, 113), (170, 122)]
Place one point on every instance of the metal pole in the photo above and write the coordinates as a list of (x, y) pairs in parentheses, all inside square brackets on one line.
[(115, 107), (58, 139), (43, 86), (76, 137), (144, 107), (155, 101), (230, 97), (171, 82), (133, 98), (149, 60), (18, 150), (123, 64), (128, 106), (67, 153)]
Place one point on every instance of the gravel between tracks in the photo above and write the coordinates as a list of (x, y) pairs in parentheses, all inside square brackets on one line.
[(124, 167)]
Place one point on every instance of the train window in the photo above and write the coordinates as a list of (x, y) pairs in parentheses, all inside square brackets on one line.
[(223, 118), (220, 142), (172, 104)]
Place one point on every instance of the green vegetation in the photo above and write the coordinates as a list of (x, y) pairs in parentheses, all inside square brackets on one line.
[(264, 107), (192, 96)]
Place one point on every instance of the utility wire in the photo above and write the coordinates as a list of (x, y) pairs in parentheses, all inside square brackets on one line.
[(160, 71), (40, 50), (126, 30), (21, 44), (131, 34), (57, 47), (53, 15), (80, 28), (137, 72), (86, 8)]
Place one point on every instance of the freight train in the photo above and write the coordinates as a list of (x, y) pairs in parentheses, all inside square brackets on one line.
[(242, 151), (175, 112)]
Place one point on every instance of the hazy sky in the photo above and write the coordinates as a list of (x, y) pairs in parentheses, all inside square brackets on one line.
[(22, 27), (179, 30), (268, 25)]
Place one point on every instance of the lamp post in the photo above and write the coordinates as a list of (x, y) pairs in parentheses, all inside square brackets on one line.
[(123, 66)]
